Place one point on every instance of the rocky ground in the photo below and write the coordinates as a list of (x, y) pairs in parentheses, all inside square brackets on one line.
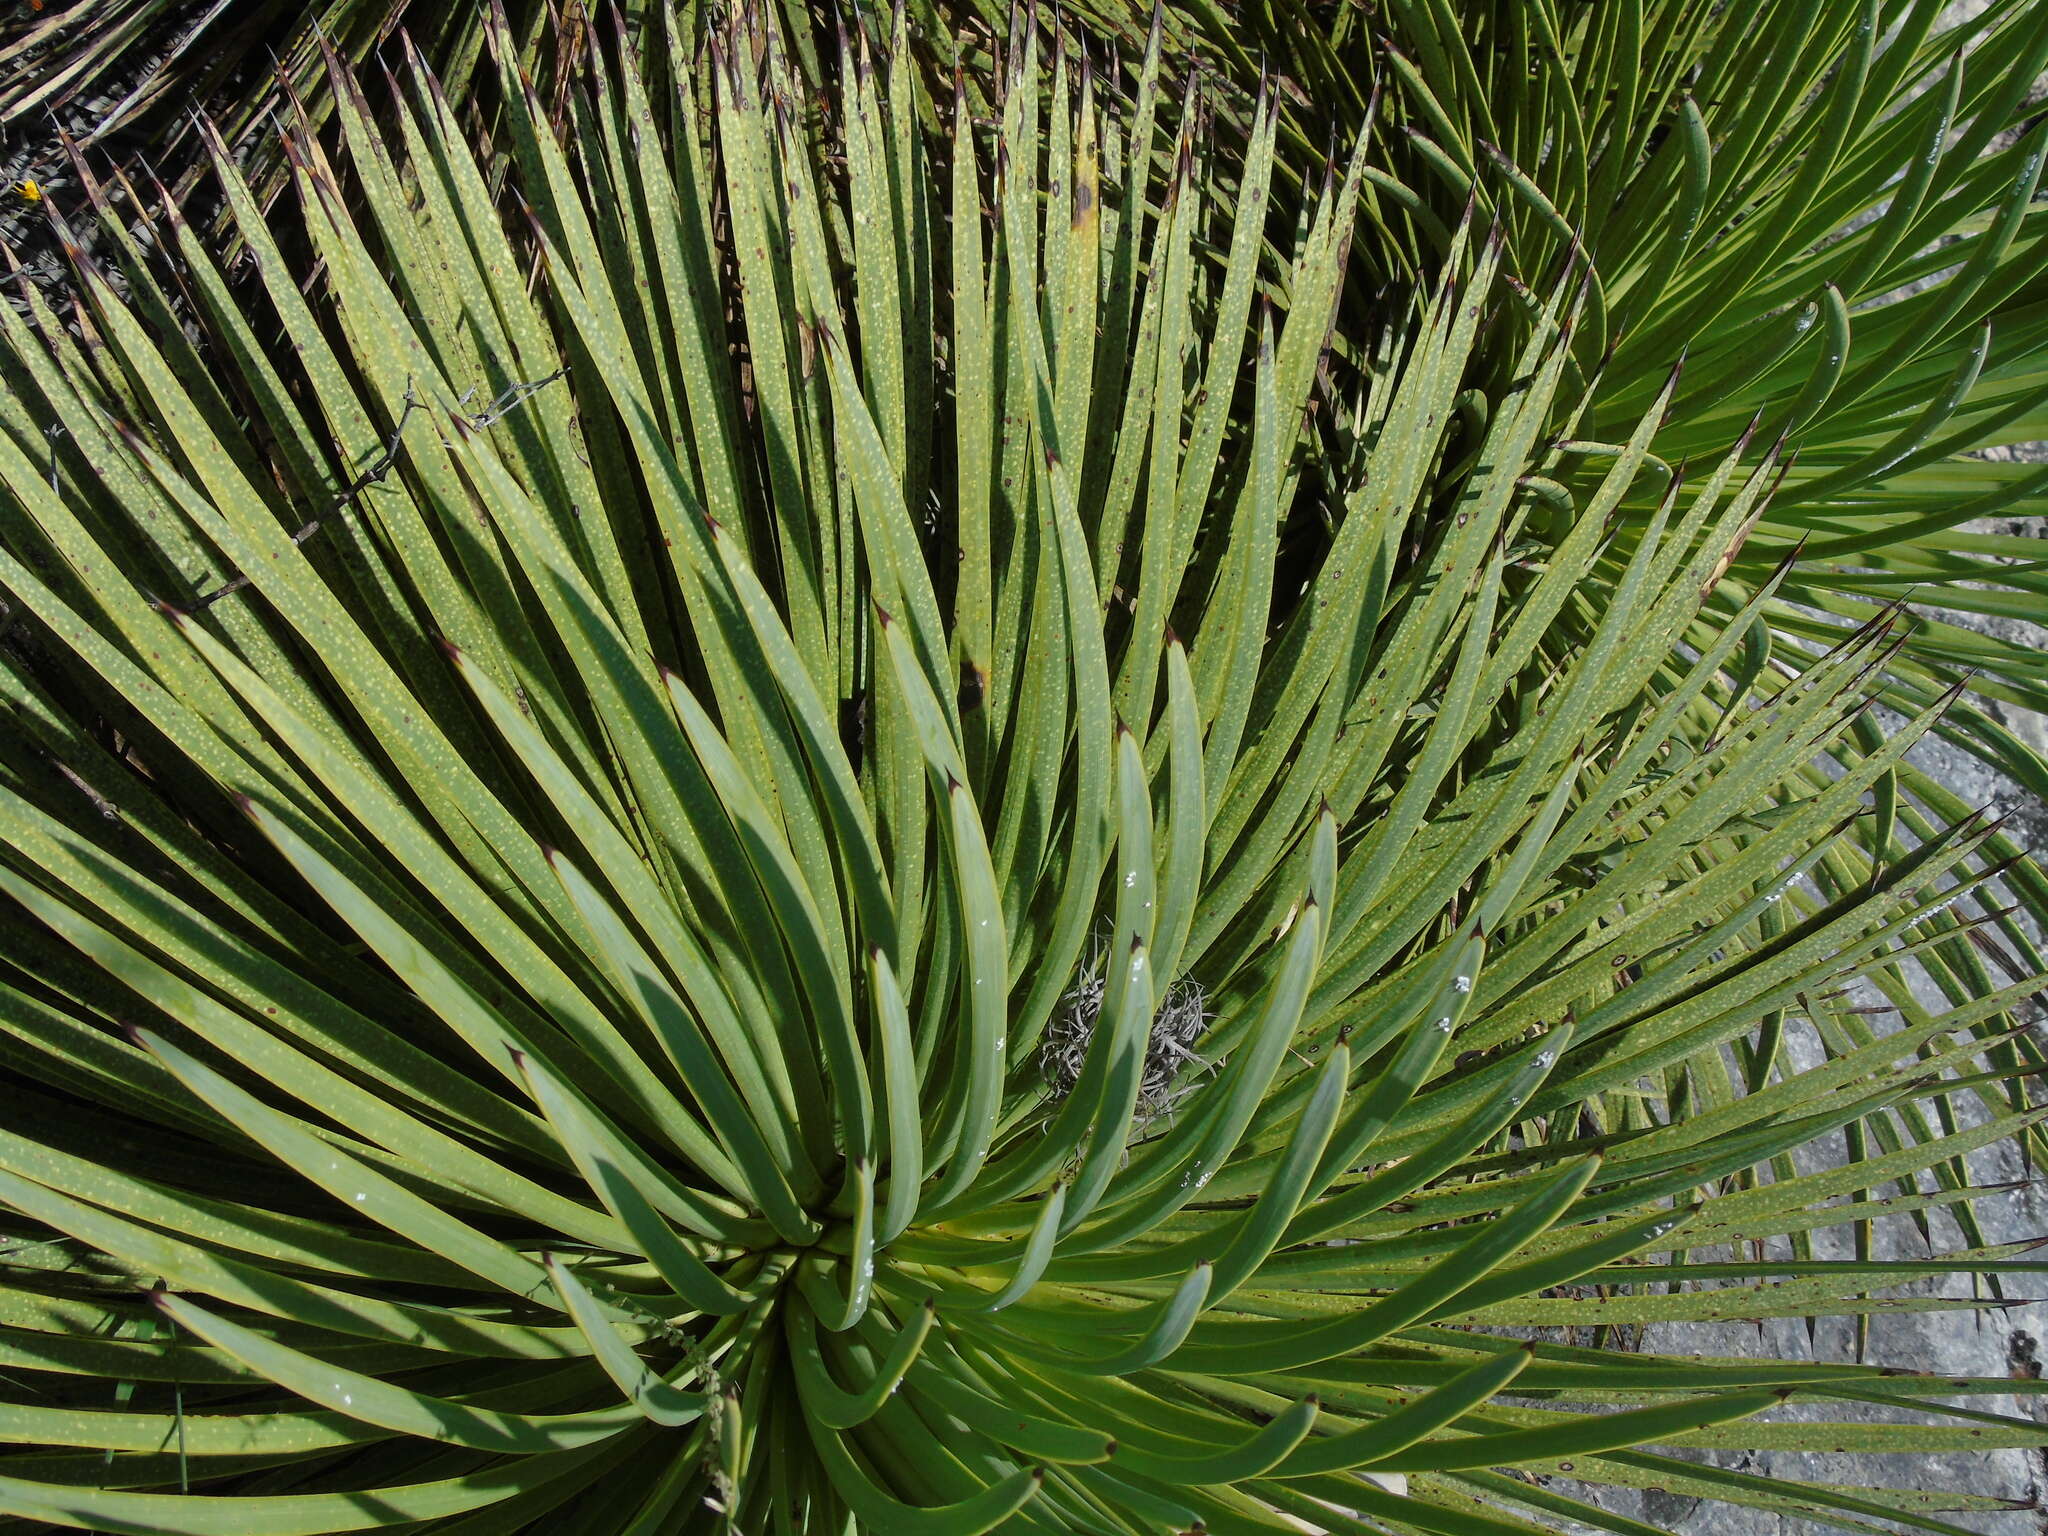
[(2006, 1341), (2011, 1341), (1981, 1343)]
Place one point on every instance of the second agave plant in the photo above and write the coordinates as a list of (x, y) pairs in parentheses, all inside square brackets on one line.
[(798, 817)]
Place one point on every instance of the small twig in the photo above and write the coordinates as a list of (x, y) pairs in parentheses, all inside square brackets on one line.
[(513, 396), (510, 400), (374, 475)]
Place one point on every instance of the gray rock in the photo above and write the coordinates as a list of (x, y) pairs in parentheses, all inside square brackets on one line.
[(2006, 1341)]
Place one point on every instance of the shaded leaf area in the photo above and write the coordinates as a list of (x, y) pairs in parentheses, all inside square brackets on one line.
[(124, 78), (564, 762)]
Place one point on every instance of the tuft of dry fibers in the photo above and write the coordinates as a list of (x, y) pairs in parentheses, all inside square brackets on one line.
[(1182, 1017)]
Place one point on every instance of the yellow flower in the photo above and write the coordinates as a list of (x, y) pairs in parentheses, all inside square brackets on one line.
[(30, 191)]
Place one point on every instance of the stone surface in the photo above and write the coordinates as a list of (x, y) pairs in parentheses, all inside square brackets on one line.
[(2005, 1341), (1976, 1343)]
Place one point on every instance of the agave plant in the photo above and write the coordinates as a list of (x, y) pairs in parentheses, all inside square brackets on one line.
[(795, 817)]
